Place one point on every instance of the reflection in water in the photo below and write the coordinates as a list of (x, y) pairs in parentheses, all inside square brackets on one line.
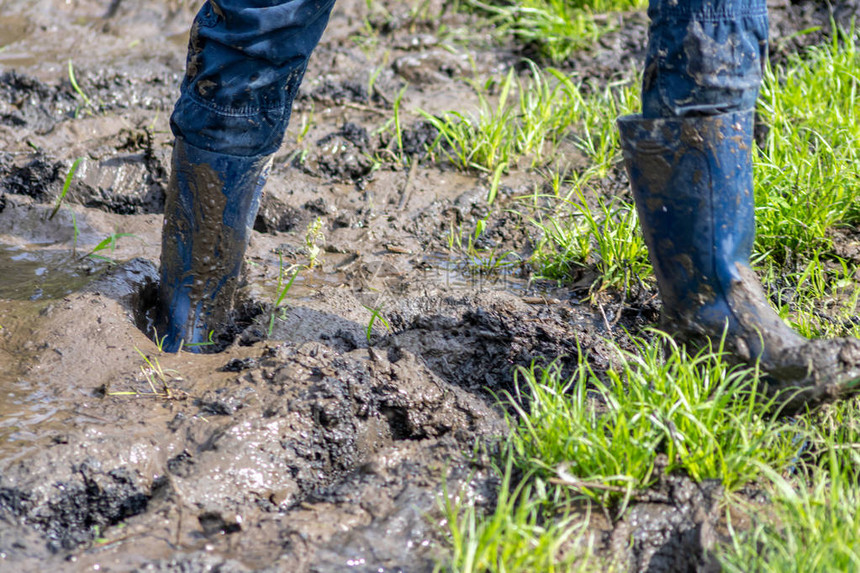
[(40, 274), (488, 271)]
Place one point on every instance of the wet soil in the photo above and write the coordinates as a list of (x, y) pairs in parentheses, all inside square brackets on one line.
[(321, 438)]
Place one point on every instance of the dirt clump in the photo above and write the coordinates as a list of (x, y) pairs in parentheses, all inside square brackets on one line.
[(673, 530)]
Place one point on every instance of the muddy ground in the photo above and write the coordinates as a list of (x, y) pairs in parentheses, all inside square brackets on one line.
[(327, 444)]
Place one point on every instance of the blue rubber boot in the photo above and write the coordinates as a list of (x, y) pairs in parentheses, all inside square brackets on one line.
[(692, 184), (212, 200)]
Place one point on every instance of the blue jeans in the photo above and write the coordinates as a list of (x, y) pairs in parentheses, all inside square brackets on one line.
[(704, 57), (246, 59)]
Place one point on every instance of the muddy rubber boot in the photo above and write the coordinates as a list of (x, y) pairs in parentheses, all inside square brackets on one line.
[(212, 200), (692, 183)]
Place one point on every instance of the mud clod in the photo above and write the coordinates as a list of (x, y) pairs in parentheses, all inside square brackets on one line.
[(343, 155), (340, 92), (274, 216), (477, 342), (673, 535), (75, 510), (39, 178), (214, 523), (418, 138), (28, 102)]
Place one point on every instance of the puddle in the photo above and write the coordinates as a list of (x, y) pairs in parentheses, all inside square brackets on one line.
[(40, 274), (438, 269), (23, 408), (28, 420), (29, 280), (12, 29), (476, 273)]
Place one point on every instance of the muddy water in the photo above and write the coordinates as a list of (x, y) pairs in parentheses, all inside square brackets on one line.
[(36, 274), (325, 444), (29, 280), (23, 410)]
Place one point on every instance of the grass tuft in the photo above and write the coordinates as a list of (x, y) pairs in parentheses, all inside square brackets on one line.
[(807, 180), (808, 529), (704, 415), (605, 237), (554, 28), (515, 537), (525, 119)]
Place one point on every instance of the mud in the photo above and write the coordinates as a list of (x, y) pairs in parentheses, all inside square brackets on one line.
[(675, 530), (326, 444)]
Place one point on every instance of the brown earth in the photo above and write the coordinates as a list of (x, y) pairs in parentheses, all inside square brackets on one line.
[(327, 444)]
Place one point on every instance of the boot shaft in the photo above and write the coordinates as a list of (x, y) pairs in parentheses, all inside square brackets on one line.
[(692, 183), (212, 201)]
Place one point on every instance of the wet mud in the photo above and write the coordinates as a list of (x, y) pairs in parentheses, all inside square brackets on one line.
[(325, 435)]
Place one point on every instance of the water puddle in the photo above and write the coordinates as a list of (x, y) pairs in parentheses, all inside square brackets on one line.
[(22, 407), (29, 280), (12, 29), (40, 274), (306, 284), (476, 273), (439, 269)]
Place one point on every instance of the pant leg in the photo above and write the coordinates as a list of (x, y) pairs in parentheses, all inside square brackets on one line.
[(246, 59), (704, 57)]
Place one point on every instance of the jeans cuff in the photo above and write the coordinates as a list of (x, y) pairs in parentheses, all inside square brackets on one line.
[(258, 132)]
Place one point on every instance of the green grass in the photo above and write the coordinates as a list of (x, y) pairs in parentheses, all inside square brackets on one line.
[(475, 261), (515, 537), (283, 288), (107, 244), (605, 237), (520, 121), (819, 297), (833, 435), (807, 175), (554, 28), (596, 436), (87, 104), (805, 531), (67, 183), (704, 415), (598, 137), (526, 118), (313, 249), (813, 522)]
